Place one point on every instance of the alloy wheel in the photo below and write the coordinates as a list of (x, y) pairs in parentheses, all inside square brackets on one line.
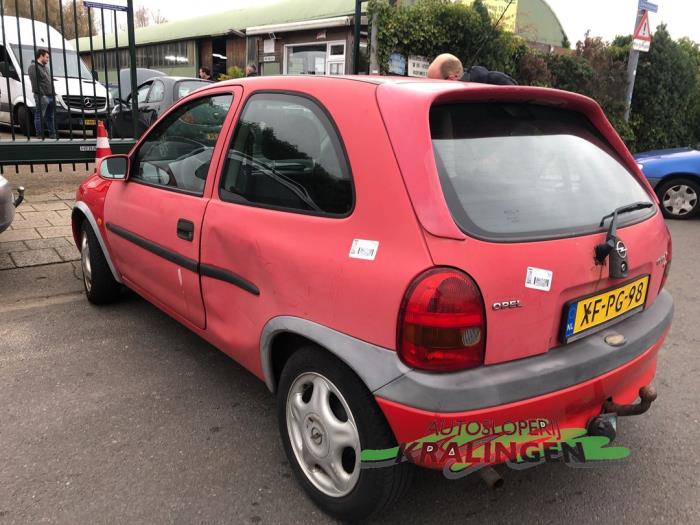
[(323, 434)]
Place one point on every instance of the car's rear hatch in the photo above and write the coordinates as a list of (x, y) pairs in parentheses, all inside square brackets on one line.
[(511, 185)]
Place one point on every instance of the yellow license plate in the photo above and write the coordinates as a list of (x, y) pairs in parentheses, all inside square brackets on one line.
[(595, 312), (212, 136), (90, 122)]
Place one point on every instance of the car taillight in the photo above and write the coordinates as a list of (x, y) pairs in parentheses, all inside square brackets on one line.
[(442, 324), (669, 256)]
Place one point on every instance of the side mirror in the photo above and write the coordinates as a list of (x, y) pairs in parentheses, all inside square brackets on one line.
[(95, 76), (114, 167)]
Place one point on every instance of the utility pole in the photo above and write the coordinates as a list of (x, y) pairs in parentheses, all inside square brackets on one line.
[(356, 42), (643, 8)]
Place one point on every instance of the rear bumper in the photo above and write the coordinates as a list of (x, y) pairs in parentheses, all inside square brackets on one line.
[(567, 385)]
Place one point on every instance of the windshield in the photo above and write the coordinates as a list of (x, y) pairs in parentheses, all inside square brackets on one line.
[(73, 63), (521, 171)]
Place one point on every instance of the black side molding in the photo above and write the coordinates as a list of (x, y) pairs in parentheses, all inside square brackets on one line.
[(187, 263), (229, 277)]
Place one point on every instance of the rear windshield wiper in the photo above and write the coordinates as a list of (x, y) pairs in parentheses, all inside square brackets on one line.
[(613, 246)]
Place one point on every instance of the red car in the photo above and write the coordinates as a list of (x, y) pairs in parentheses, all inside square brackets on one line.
[(389, 255)]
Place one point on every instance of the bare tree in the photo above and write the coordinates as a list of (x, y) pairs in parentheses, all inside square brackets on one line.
[(144, 16), (158, 18), (36, 10)]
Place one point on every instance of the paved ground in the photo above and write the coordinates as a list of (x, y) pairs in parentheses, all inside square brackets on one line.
[(41, 233), (120, 415)]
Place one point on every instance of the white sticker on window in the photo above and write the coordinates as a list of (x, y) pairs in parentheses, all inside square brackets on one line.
[(538, 279), (362, 249)]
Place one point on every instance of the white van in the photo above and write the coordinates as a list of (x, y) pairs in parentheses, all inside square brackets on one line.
[(79, 100)]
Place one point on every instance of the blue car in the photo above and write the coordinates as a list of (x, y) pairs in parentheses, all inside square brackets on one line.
[(675, 176)]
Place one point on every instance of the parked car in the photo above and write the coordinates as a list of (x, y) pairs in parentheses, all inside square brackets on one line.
[(80, 100), (8, 203), (429, 252), (122, 89), (154, 97), (675, 176)]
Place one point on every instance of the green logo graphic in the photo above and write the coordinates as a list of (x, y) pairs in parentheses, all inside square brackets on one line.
[(465, 447)]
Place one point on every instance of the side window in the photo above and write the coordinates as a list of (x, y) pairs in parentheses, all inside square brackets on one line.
[(177, 152), (142, 92), (157, 92), (286, 154), (6, 67)]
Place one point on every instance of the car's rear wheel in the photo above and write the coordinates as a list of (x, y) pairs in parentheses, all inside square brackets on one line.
[(327, 417), (679, 198), (98, 281)]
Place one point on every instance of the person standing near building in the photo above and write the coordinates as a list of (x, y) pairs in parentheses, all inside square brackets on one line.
[(251, 71), (45, 103), (204, 73)]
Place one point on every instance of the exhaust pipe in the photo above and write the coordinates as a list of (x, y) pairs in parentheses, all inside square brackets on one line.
[(492, 478), (20, 196)]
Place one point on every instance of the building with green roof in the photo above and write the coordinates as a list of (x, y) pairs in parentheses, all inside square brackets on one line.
[(285, 37)]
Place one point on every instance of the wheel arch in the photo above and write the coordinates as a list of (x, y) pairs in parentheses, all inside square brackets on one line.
[(81, 212), (283, 335), (679, 175)]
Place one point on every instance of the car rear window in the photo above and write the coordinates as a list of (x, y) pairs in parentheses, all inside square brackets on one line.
[(188, 86), (524, 171)]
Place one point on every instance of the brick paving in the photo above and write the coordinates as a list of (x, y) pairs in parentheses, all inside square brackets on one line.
[(40, 233)]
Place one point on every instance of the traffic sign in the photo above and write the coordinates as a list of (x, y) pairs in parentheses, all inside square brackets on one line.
[(648, 6), (643, 31)]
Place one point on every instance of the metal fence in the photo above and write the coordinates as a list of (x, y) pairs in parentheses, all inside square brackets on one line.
[(50, 110)]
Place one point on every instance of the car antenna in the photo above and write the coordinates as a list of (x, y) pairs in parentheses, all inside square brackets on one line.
[(489, 34)]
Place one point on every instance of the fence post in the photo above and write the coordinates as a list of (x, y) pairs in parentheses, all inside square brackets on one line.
[(132, 59)]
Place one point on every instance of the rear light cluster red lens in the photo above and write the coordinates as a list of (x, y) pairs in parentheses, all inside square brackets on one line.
[(669, 256), (442, 324)]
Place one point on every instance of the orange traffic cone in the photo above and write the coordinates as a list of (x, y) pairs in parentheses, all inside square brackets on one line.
[(103, 149)]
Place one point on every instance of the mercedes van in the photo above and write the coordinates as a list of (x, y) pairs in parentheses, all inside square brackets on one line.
[(80, 100)]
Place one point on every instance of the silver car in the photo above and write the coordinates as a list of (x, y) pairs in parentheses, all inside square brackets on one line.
[(8, 203)]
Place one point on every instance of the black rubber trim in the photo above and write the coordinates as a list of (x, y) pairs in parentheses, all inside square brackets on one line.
[(154, 248), (187, 263), (207, 270), (560, 368)]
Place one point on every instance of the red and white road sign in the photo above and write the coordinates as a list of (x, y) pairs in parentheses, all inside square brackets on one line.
[(642, 34)]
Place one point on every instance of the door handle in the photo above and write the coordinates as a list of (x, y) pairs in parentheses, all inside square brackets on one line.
[(185, 229)]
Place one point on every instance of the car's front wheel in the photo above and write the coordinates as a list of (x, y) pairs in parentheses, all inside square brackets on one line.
[(327, 417), (679, 198), (98, 281)]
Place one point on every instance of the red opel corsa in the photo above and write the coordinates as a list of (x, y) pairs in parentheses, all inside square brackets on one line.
[(389, 255)]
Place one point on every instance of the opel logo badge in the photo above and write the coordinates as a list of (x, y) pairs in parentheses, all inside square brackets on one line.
[(87, 102), (621, 249)]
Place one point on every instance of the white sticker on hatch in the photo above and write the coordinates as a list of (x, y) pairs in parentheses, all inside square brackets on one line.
[(538, 279), (362, 249)]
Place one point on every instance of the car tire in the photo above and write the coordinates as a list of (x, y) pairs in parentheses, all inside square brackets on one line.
[(313, 379), (679, 198), (25, 119), (98, 281)]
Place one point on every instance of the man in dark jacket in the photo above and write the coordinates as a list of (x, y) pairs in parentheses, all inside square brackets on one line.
[(45, 103)]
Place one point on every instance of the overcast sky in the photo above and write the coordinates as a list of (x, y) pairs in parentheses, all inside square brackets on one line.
[(605, 18)]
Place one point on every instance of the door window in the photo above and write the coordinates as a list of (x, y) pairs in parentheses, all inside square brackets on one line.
[(157, 92), (286, 154), (142, 92), (176, 153)]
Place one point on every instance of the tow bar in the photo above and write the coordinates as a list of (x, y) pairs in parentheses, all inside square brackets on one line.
[(606, 423)]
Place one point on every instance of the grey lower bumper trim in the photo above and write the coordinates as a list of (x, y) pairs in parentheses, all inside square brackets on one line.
[(534, 376)]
